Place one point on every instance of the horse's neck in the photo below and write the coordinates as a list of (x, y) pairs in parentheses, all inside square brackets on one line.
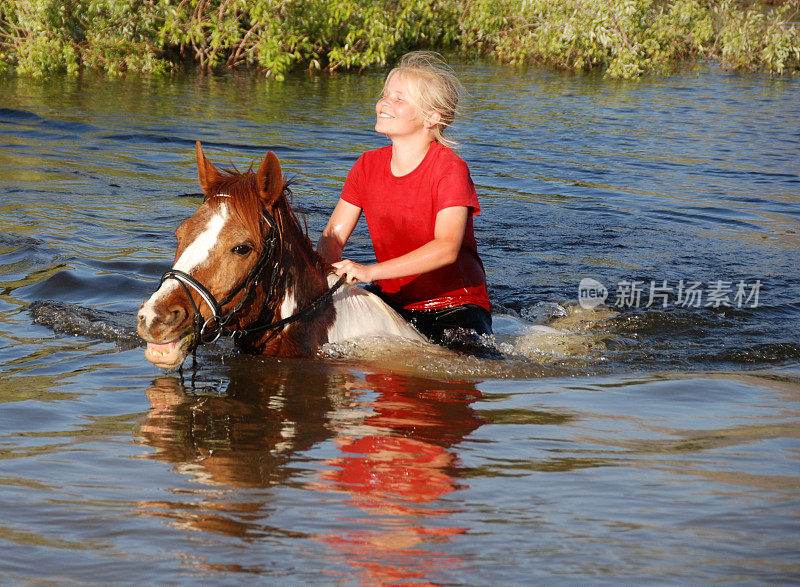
[(305, 273), (302, 280), (353, 313)]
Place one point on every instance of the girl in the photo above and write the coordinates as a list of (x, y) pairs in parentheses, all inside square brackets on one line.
[(418, 199)]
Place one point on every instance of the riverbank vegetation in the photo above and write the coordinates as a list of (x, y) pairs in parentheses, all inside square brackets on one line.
[(625, 38)]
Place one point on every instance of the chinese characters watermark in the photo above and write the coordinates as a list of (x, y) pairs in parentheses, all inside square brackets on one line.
[(662, 294)]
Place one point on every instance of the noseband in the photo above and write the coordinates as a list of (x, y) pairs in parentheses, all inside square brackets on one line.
[(209, 330)]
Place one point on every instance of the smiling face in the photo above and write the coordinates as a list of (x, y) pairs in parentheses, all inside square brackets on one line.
[(397, 112)]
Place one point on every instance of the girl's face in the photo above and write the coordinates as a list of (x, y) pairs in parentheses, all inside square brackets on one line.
[(397, 116)]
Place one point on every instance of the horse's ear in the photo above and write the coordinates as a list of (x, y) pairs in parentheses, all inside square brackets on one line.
[(270, 179), (208, 174)]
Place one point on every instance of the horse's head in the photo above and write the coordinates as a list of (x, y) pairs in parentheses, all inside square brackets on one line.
[(220, 248)]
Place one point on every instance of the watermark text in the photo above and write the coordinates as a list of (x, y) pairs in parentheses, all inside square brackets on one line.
[(683, 293)]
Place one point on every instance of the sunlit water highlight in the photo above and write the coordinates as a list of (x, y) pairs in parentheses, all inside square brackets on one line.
[(654, 443)]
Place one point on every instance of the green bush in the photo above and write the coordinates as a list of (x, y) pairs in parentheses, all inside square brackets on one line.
[(626, 38), (633, 37), (278, 36), (44, 36)]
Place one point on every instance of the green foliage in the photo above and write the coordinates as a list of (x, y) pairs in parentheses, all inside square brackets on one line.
[(315, 34), (758, 40), (633, 37), (626, 38), (46, 36)]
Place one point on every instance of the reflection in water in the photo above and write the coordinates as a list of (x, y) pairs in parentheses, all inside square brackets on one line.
[(395, 467), (394, 435), (243, 438), (295, 470)]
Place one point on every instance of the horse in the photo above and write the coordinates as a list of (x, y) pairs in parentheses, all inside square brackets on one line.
[(245, 268)]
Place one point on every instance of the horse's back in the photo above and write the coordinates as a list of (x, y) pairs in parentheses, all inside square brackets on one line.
[(360, 313)]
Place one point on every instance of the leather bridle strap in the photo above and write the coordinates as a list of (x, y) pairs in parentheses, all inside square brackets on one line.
[(294, 317), (187, 281)]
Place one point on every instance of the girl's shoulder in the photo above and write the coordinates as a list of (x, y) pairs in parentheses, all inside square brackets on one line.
[(449, 160), (376, 155), (370, 161)]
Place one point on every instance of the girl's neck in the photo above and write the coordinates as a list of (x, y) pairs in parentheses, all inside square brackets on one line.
[(407, 155)]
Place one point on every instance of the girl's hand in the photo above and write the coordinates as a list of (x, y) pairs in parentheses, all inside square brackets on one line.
[(355, 271)]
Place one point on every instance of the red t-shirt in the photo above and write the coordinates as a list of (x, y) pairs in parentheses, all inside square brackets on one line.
[(401, 215)]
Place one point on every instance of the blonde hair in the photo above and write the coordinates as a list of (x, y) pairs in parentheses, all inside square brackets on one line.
[(435, 88)]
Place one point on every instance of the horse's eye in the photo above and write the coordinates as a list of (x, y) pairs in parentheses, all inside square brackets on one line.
[(242, 249)]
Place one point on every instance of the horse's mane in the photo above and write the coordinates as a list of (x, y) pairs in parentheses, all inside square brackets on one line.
[(240, 191)]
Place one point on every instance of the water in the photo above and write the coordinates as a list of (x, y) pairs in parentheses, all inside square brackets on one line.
[(655, 444)]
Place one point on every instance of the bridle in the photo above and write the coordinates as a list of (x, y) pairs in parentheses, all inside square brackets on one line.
[(209, 330)]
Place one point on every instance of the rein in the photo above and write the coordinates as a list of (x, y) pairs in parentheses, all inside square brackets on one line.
[(210, 330)]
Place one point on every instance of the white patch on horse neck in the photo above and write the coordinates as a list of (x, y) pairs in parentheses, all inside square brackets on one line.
[(192, 257), (289, 305)]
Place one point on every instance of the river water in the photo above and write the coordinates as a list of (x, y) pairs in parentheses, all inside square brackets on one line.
[(652, 439)]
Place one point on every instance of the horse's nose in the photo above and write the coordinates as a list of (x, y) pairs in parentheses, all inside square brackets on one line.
[(142, 316), (150, 316), (175, 315)]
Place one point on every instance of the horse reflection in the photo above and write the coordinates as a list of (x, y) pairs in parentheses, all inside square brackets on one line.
[(395, 438), (244, 436)]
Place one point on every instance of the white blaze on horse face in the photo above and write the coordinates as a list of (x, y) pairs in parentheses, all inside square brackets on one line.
[(198, 251), (193, 257)]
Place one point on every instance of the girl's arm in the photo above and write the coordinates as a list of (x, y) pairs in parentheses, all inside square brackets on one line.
[(340, 226), (448, 234)]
